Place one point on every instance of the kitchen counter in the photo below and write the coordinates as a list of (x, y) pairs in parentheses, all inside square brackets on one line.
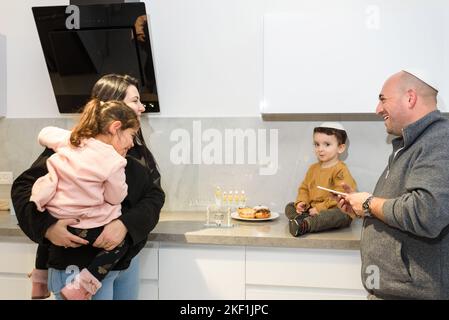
[(188, 227)]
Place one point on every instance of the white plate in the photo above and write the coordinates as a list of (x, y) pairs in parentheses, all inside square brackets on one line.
[(235, 215)]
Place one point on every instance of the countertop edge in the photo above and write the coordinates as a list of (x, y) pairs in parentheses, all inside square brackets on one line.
[(190, 230), (258, 242)]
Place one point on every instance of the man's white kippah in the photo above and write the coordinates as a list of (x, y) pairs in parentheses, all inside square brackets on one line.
[(333, 125), (430, 78)]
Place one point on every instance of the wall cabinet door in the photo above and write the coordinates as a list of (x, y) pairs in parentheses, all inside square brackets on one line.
[(329, 58)]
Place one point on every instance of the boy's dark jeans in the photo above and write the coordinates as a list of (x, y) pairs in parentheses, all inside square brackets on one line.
[(327, 219)]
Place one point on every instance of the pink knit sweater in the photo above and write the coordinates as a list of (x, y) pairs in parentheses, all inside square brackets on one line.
[(87, 183)]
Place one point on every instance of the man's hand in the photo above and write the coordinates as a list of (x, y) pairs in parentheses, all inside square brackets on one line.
[(347, 188), (113, 234), (356, 201), (300, 207), (345, 206), (342, 203), (60, 236)]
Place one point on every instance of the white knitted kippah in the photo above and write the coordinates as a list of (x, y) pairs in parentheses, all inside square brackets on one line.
[(333, 125), (430, 78)]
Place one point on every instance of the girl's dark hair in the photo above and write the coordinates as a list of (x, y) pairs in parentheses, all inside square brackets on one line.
[(113, 87), (98, 115), (339, 134)]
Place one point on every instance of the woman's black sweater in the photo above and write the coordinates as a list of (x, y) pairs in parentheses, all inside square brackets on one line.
[(140, 213)]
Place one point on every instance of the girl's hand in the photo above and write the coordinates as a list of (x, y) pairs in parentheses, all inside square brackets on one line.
[(313, 211), (113, 234)]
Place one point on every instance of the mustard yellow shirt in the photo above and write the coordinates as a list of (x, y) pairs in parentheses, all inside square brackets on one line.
[(330, 178)]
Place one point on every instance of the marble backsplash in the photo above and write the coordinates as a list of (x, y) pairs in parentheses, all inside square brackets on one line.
[(196, 155)]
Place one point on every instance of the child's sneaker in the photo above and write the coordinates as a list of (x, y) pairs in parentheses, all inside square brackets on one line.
[(83, 288), (290, 211), (298, 226), (39, 289)]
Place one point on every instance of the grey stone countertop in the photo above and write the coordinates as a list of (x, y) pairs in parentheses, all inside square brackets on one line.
[(188, 227)]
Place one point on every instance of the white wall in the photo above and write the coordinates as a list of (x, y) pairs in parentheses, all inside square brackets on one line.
[(29, 91), (2, 75), (208, 55)]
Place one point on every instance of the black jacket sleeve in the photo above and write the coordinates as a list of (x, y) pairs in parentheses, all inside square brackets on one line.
[(32, 222), (141, 208)]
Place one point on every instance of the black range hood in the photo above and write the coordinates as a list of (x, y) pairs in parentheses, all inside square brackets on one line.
[(112, 38)]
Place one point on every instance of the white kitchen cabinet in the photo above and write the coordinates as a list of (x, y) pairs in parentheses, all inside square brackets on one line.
[(149, 272), (15, 287), (193, 272), (296, 273), (17, 261), (332, 57), (258, 292), (201, 272)]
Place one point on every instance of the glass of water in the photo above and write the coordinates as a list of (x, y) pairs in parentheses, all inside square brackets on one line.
[(216, 216), (219, 218)]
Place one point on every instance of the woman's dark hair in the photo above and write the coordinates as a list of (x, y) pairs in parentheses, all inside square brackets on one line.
[(339, 134), (113, 87)]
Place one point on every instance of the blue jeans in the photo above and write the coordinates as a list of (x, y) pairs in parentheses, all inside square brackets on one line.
[(118, 285)]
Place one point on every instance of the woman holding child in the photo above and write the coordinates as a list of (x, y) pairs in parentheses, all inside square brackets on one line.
[(59, 249)]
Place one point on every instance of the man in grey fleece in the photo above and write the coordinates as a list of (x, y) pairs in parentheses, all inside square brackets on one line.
[(405, 236)]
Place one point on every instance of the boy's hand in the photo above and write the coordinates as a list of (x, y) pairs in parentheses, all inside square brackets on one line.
[(313, 211), (300, 207)]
